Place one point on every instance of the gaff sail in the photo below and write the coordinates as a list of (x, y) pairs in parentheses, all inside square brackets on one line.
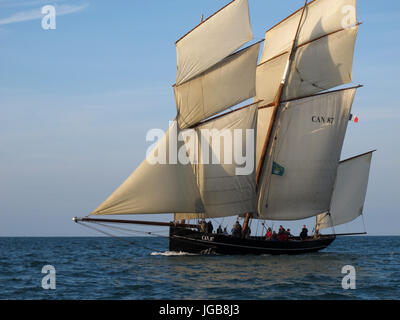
[(224, 190), (308, 141)]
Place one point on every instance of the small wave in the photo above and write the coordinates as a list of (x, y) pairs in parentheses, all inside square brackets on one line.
[(172, 253)]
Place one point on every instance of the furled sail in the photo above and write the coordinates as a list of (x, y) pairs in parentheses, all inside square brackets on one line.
[(226, 186), (228, 83), (156, 188), (188, 216), (300, 173), (213, 40), (349, 193), (317, 66), (321, 17)]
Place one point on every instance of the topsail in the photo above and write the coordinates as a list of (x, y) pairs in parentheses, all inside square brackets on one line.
[(213, 40), (228, 83)]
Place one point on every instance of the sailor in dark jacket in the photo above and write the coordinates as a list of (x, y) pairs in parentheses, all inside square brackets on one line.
[(304, 233)]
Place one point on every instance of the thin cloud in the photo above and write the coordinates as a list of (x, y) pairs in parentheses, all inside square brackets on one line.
[(37, 14)]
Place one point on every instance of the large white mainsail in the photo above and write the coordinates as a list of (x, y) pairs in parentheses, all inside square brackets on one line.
[(349, 194), (156, 188), (309, 138), (213, 40), (228, 83), (224, 191)]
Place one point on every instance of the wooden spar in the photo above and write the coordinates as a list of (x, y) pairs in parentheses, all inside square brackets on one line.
[(344, 234), (224, 114), (204, 21), (288, 17), (219, 63), (272, 104), (278, 98), (147, 223), (306, 43), (360, 155), (246, 221)]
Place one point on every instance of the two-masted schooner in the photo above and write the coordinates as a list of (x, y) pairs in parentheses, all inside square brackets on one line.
[(299, 123)]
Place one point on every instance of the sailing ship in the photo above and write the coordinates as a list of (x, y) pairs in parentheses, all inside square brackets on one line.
[(299, 119)]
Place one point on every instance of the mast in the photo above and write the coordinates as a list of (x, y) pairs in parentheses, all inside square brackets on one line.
[(278, 98)]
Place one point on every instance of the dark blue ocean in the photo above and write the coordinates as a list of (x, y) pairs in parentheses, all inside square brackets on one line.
[(105, 268)]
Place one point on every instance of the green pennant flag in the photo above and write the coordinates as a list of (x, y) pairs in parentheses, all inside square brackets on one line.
[(277, 169)]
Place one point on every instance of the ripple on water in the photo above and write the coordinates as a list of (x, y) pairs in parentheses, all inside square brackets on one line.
[(102, 268)]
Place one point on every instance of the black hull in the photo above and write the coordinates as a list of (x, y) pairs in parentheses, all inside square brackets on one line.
[(191, 241)]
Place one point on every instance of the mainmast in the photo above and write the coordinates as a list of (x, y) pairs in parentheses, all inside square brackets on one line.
[(278, 98)]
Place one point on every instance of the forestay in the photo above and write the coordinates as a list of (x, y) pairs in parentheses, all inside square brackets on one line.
[(349, 193), (156, 188), (309, 138), (224, 190), (228, 83), (213, 40)]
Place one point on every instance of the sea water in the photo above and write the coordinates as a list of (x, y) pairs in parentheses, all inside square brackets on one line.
[(143, 268)]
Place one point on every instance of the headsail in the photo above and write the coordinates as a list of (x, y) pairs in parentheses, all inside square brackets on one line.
[(213, 40), (309, 138), (156, 188), (228, 83), (349, 194)]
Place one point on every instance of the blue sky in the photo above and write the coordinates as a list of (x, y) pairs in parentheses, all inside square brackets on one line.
[(76, 102)]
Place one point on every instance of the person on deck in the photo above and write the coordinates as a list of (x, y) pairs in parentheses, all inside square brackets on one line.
[(246, 233), (274, 236), (210, 227), (282, 236), (289, 235), (269, 234), (304, 233), (203, 226), (219, 230), (237, 230)]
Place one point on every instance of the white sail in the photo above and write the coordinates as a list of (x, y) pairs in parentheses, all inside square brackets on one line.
[(230, 82), (309, 139), (317, 66), (269, 77), (321, 17), (156, 188), (349, 194), (223, 191), (264, 124), (213, 40), (322, 64)]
